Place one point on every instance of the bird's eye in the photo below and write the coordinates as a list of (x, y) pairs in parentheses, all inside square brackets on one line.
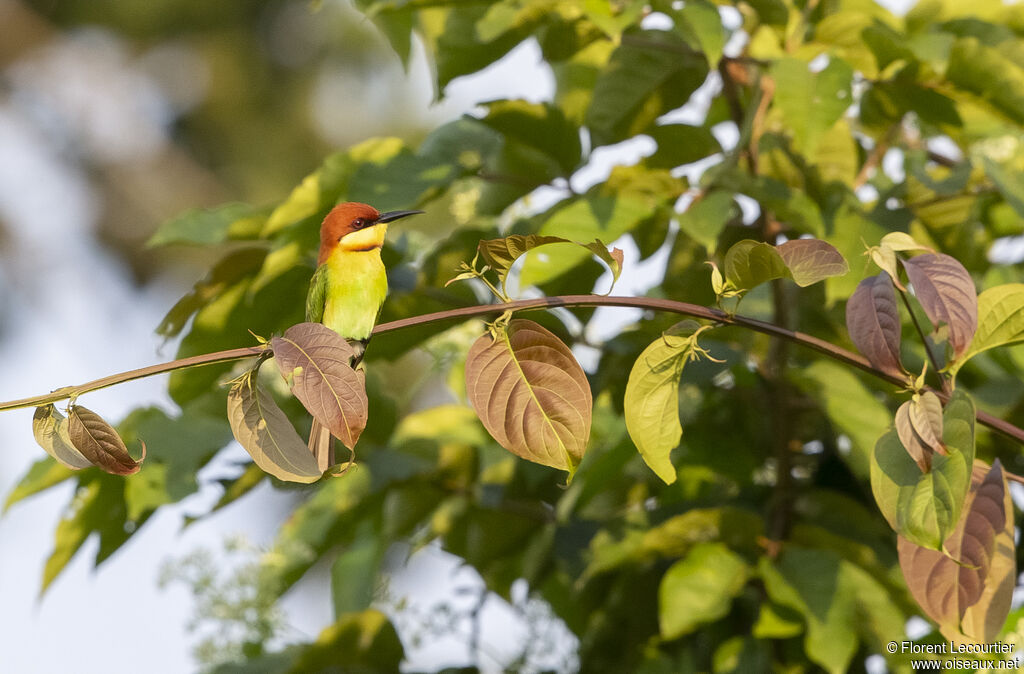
[(358, 223)]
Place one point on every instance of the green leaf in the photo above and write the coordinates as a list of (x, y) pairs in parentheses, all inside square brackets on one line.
[(501, 254), (837, 599), (771, 12), (444, 424), (320, 190), (361, 643), (265, 433), (328, 518), (1009, 182), (680, 144), (209, 227), (652, 400), (364, 641), (811, 102), (812, 260), (737, 528), (354, 572), (531, 394), (1000, 321), (852, 407), (776, 622), (925, 507), (647, 76), (540, 126), (50, 429), (229, 270), (706, 217), (700, 24), (604, 218), (984, 71), (177, 448), (576, 77), (750, 263), (98, 506), (699, 588), (42, 475), (400, 179), (468, 38)]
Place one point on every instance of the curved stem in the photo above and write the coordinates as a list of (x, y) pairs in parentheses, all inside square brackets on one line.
[(650, 303), (924, 342), (66, 392)]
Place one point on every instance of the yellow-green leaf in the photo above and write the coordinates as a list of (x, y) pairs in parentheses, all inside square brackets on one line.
[(1000, 321), (50, 429), (652, 401), (699, 588), (925, 507)]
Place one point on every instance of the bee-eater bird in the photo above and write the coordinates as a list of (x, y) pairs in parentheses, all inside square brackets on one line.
[(349, 287)]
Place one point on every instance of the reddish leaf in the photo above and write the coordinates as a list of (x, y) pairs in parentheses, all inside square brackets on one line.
[(99, 442), (969, 575), (873, 320), (531, 394), (812, 260), (947, 295), (50, 429), (315, 361)]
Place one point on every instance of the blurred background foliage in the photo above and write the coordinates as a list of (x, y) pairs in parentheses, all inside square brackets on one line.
[(673, 129)]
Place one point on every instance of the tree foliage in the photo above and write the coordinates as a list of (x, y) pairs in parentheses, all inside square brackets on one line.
[(731, 502)]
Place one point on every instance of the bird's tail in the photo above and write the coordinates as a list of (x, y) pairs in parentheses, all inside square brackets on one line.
[(321, 443)]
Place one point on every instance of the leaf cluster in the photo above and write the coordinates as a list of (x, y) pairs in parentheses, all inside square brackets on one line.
[(721, 513)]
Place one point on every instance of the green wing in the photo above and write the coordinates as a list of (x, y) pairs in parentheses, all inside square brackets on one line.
[(317, 297)]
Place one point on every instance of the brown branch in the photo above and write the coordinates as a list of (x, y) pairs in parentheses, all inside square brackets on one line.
[(66, 392), (650, 303), (876, 155), (924, 341)]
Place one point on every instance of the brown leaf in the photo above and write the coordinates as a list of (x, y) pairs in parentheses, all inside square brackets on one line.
[(812, 260), (315, 361), (873, 320), (99, 442), (265, 433), (50, 429), (531, 394), (919, 450), (946, 293), (961, 589)]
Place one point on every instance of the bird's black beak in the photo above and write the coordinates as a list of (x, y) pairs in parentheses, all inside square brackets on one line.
[(395, 215)]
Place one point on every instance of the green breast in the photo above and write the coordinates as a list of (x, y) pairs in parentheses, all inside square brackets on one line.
[(357, 284)]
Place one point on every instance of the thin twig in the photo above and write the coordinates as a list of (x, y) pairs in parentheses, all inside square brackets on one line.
[(924, 340), (66, 392), (876, 155), (650, 303)]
